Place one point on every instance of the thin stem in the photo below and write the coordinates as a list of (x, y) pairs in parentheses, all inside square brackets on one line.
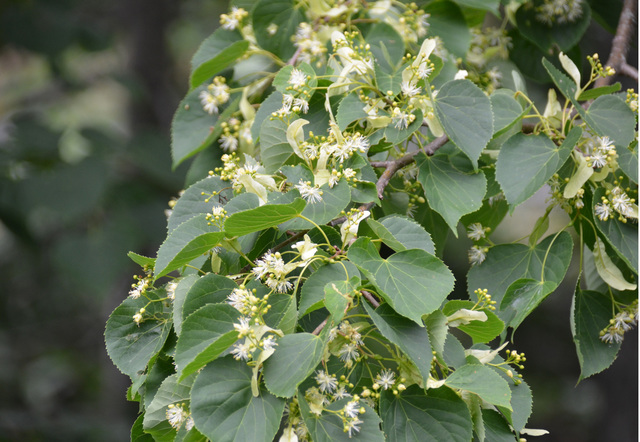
[(620, 45), (369, 297)]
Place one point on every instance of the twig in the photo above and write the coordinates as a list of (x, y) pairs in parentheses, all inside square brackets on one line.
[(320, 327), (370, 298), (617, 59), (391, 167)]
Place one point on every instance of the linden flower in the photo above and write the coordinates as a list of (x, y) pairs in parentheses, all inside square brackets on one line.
[(477, 255), (410, 89), (386, 379), (326, 382), (297, 78), (351, 427), (311, 194), (171, 289), (402, 119), (269, 343), (229, 143), (176, 415), (241, 351), (603, 211), (352, 409), (349, 228), (476, 232)]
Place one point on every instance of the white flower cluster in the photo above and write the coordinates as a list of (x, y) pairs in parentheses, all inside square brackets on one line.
[(309, 44), (559, 11), (349, 229), (177, 414), (621, 323), (618, 201), (233, 19), (600, 151), (216, 94)]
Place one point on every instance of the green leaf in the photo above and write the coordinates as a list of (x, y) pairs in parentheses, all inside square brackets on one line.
[(351, 109), (188, 241), (271, 104), (334, 201), (210, 289), (506, 263), (206, 333), (610, 116), (622, 237), (591, 313), (216, 53), (484, 5), (566, 35), (483, 381), (137, 432), (171, 391), (465, 114), (388, 79), (480, 331), (286, 16), (281, 81), (275, 150), (401, 233), (591, 94), (527, 162), (628, 160), (224, 408), (387, 46), (565, 84), (198, 199), (179, 296), (142, 261), (312, 294), (193, 129), (496, 428), (437, 329), (506, 111), (263, 217), (129, 345), (489, 215), (338, 295), (396, 135), (522, 298), (438, 415), (411, 338), (295, 359), (447, 22), (413, 281), (521, 400), (453, 190), (328, 427)]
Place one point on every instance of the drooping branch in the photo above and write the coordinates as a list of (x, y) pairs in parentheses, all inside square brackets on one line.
[(620, 45)]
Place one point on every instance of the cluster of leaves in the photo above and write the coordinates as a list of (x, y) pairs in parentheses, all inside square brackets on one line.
[(300, 293)]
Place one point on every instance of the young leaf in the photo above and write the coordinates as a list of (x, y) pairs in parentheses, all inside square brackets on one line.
[(526, 162), (295, 359), (591, 313), (465, 114), (206, 333), (413, 281), (188, 241), (337, 296), (224, 408), (260, 218), (437, 415), (594, 93), (450, 190), (411, 338), (129, 345)]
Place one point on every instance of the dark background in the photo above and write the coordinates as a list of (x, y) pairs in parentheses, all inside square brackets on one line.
[(87, 92)]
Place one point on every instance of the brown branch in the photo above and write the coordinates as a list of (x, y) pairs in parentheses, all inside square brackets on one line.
[(617, 59), (320, 327), (370, 298), (391, 167)]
